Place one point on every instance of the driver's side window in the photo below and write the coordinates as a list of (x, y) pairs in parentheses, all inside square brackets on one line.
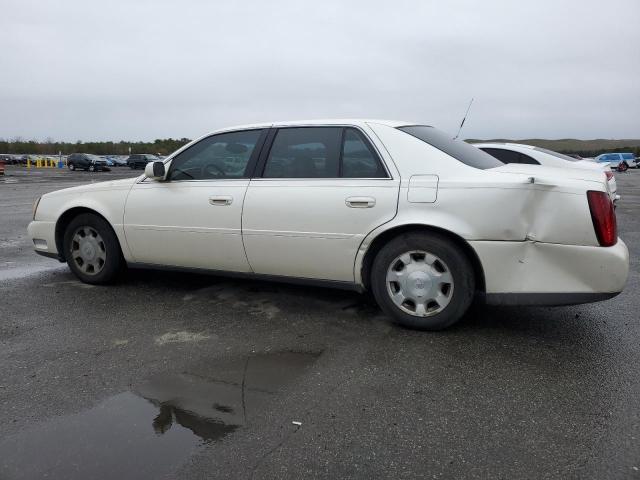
[(225, 155)]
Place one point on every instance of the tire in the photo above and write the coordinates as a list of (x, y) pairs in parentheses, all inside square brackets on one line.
[(132, 166), (623, 167), (444, 262), (92, 168), (103, 250), (72, 167)]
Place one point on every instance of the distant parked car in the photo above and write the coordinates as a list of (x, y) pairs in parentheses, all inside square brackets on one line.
[(118, 161), (108, 160), (618, 161), (86, 161), (631, 159), (530, 155), (140, 160), (7, 159)]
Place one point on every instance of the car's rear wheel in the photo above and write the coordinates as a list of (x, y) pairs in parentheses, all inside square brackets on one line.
[(92, 249), (423, 281)]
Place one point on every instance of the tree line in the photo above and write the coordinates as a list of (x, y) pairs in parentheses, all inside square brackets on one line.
[(162, 146)]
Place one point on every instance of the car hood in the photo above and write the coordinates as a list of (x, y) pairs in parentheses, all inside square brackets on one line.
[(124, 184), (553, 173)]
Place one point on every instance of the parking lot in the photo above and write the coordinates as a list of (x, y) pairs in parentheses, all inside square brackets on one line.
[(168, 375)]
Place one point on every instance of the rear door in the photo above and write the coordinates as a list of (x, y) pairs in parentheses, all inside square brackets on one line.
[(317, 193)]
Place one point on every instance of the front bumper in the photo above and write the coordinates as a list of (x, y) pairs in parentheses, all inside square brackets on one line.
[(43, 236), (550, 274)]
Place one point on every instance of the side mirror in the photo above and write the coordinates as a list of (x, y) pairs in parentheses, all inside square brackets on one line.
[(155, 170)]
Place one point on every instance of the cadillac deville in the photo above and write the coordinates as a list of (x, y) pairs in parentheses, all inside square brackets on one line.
[(424, 222)]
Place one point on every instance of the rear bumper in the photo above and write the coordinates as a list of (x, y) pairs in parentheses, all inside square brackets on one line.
[(547, 299), (534, 273)]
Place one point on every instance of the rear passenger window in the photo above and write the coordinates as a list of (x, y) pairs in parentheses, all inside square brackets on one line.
[(307, 152), (359, 160)]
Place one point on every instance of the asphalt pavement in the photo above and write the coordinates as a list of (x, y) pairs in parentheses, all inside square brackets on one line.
[(168, 375)]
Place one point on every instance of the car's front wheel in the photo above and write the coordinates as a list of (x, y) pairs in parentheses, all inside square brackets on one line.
[(72, 167), (623, 167), (423, 281), (92, 250)]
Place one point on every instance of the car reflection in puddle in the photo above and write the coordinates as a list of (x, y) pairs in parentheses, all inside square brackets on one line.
[(148, 432)]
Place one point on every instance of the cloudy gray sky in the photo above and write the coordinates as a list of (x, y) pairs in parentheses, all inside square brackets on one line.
[(139, 70)]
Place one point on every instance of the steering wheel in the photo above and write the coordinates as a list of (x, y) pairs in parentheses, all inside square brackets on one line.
[(208, 171)]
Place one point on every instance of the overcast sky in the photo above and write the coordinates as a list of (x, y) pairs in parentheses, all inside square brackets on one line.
[(140, 70)]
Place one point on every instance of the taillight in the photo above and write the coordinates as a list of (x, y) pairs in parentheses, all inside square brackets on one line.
[(609, 175), (604, 218)]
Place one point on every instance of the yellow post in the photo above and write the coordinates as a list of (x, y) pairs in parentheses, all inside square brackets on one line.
[(28, 163)]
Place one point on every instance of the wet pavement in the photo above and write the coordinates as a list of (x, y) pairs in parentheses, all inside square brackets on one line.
[(143, 433), (169, 375)]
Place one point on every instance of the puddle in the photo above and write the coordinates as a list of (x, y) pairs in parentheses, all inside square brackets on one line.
[(148, 432)]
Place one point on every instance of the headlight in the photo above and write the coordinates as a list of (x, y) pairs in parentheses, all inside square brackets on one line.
[(35, 206)]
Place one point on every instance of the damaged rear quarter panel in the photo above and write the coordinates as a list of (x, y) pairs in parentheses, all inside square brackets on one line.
[(505, 207)]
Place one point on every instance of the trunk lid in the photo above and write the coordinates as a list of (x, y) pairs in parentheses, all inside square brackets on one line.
[(551, 174)]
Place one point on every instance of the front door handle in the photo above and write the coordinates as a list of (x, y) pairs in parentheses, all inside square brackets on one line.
[(221, 200), (360, 202)]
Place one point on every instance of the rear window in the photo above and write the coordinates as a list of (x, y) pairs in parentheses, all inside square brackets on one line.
[(462, 151)]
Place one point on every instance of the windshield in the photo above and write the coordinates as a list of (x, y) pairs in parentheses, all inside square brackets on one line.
[(556, 154), (462, 151)]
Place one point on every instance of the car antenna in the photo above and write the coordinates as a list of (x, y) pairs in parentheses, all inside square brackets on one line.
[(465, 117)]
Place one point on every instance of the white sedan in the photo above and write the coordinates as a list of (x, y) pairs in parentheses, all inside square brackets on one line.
[(424, 222), (530, 155)]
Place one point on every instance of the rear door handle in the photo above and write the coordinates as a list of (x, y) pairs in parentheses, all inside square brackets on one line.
[(221, 200), (360, 202)]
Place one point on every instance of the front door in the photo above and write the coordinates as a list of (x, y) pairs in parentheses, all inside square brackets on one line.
[(193, 219), (320, 192)]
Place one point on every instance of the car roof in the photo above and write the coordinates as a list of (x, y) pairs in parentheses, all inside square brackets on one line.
[(312, 122), (503, 145)]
